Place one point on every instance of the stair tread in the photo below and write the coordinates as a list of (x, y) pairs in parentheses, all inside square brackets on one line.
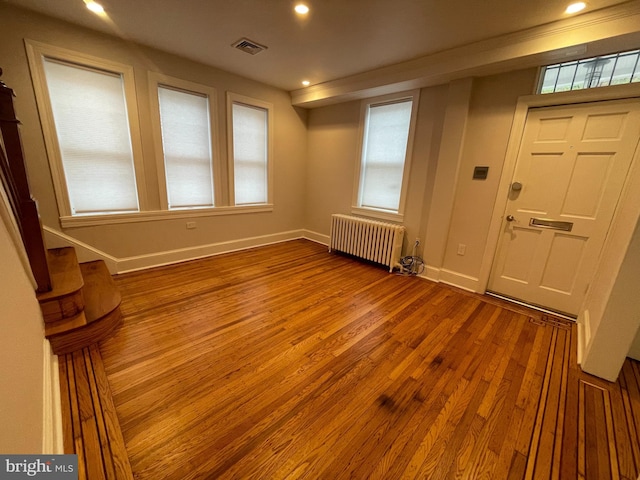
[(66, 277), (100, 318), (65, 325), (101, 296)]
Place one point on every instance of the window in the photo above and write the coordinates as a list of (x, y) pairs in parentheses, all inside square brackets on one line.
[(184, 125), (382, 172), (250, 146), (87, 119), (614, 69)]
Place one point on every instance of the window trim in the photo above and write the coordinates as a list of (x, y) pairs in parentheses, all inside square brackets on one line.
[(36, 53), (382, 214), (157, 80), (156, 215), (250, 102)]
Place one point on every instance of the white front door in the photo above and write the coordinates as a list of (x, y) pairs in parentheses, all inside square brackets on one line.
[(570, 170)]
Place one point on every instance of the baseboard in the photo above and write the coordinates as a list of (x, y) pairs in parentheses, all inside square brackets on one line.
[(52, 442), (449, 277), (316, 237), (87, 253), (465, 282), (584, 334), (84, 252), (142, 262), (431, 273)]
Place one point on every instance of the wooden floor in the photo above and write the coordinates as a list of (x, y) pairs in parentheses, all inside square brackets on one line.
[(289, 362), (91, 428)]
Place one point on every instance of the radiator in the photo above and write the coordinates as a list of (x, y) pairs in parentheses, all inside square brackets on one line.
[(375, 241)]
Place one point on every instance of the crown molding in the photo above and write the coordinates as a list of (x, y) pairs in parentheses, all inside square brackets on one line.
[(588, 34)]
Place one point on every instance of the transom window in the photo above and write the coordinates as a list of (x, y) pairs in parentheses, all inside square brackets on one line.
[(604, 71)]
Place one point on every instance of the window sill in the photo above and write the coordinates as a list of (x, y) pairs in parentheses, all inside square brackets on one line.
[(155, 215), (379, 214)]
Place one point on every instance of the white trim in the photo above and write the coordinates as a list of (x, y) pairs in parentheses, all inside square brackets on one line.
[(459, 280), (157, 80), (379, 214), (154, 215), (141, 262), (85, 252), (449, 277), (520, 116), (599, 31), (52, 441), (584, 333), (316, 237), (357, 207), (431, 273), (36, 53), (250, 102)]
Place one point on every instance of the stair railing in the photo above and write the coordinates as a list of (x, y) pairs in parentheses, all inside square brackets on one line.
[(13, 175)]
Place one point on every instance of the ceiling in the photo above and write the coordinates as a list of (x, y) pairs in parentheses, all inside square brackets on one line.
[(337, 39)]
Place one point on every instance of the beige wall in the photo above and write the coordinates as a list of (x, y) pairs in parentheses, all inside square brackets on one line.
[(333, 149), (491, 110), (126, 240), (21, 356), (334, 142)]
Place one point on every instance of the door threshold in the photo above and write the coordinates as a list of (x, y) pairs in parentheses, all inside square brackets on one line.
[(528, 305)]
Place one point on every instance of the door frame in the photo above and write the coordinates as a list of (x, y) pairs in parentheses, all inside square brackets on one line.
[(524, 104)]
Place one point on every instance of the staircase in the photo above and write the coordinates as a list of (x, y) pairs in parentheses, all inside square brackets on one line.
[(80, 303), (83, 306)]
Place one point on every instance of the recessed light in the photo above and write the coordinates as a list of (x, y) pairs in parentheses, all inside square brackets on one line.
[(575, 7), (95, 7), (306, 83), (302, 9)]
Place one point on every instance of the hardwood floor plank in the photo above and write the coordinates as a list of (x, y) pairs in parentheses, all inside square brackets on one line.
[(89, 429), (288, 362), (65, 404)]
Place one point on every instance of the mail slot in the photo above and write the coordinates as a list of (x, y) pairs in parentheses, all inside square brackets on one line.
[(554, 224)]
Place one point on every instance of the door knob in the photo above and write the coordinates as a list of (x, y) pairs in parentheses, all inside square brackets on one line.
[(510, 218)]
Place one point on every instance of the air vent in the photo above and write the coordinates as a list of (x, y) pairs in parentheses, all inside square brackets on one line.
[(248, 46)]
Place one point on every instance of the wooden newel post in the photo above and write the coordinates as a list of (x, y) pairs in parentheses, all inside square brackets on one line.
[(16, 184)]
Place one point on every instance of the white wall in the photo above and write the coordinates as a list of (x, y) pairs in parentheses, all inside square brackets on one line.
[(22, 356), (613, 311)]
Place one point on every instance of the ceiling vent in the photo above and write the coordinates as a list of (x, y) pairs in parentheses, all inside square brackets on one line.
[(248, 46)]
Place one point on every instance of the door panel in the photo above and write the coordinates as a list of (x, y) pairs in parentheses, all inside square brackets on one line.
[(518, 261), (587, 185), (563, 262), (572, 164)]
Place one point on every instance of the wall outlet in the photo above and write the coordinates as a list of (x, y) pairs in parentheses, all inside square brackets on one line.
[(191, 225), (462, 248)]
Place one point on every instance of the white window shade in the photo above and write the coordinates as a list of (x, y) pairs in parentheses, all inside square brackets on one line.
[(383, 155), (92, 127), (250, 154), (186, 142)]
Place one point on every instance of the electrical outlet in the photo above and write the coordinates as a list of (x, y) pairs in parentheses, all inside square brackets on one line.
[(191, 225), (462, 248)]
